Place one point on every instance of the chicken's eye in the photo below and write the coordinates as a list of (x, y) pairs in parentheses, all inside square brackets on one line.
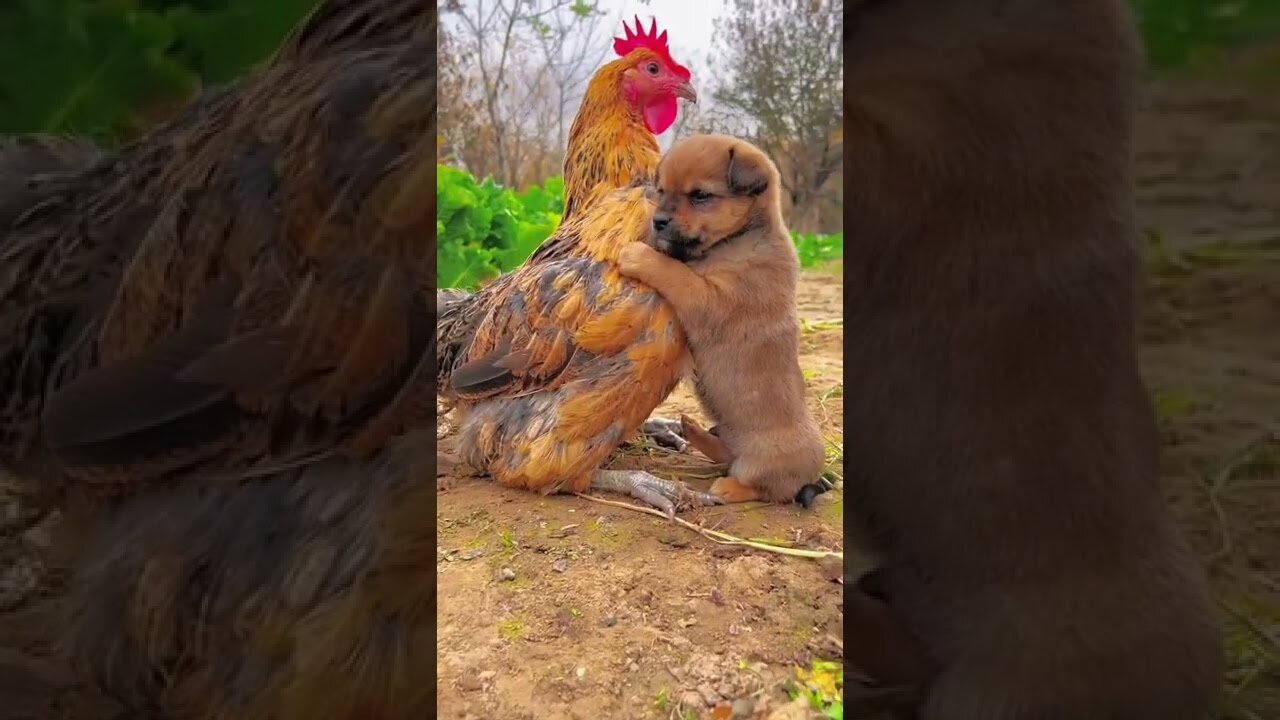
[(698, 196), (652, 68)]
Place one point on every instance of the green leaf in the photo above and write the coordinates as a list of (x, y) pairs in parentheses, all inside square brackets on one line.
[(484, 229), (111, 68)]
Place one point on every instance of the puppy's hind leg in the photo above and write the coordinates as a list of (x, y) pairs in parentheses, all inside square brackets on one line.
[(675, 434), (705, 442), (732, 490), (729, 489)]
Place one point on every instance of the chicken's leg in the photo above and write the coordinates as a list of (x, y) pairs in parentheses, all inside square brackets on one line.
[(673, 434), (664, 432), (665, 495)]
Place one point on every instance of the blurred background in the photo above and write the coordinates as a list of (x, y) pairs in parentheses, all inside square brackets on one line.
[(512, 73)]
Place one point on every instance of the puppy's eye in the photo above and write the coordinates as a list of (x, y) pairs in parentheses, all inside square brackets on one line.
[(698, 197), (651, 68)]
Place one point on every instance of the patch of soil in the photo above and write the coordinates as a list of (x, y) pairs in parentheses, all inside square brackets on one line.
[(563, 608)]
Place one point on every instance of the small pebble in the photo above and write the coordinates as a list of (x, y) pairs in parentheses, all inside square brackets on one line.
[(581, 672), (609, 621), (506, 574), (709, 695), (470, 683), (633, 667), (743, 708), (560, 565)]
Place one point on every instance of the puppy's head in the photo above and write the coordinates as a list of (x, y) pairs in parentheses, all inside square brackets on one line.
[(711, 188)]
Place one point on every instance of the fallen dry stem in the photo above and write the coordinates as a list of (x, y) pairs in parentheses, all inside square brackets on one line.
[(716, 536)]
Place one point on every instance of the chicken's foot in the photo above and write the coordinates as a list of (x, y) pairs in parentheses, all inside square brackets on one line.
[(665, 495), (664, 432)]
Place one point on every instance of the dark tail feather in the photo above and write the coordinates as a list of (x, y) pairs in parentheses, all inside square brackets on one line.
[(34, 170), (453, 332), (25, 160), (448, 299)]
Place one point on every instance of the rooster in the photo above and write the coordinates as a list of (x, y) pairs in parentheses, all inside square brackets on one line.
[(227, 325), (608, 148), (553, 365)]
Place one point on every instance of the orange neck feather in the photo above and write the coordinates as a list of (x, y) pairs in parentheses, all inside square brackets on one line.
[(609, 145)]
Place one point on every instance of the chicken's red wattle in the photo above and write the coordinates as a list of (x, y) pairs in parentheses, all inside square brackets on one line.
[(660, 114)]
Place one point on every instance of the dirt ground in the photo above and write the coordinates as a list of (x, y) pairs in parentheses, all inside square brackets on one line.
[(565, 608), (1209, 199)]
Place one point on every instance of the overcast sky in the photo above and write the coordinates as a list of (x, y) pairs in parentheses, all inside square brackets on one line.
[(688, 22)]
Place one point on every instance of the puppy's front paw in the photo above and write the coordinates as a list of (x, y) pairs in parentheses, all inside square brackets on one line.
[(634, 258)]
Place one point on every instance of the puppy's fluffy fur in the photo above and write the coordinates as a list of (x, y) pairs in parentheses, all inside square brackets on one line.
[(718, 209), (1004, 446)]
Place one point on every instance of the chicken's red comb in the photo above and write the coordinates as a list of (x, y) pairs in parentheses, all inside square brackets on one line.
[(651, 40)]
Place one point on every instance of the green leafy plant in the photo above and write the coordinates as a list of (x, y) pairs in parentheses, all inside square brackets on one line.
[(815, 249), (111, 68), (1180, 32), (484, 229)]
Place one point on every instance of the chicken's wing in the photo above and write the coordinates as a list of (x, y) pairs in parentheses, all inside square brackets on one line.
[(274, 305), (566, 360)]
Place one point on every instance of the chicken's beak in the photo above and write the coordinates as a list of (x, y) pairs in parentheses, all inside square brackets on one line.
[(686, 91)]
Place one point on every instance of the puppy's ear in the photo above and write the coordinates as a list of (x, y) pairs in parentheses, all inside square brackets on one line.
[(745, 177)]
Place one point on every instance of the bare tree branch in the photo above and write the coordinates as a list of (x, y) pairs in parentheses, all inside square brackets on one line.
[(531, 60), (782, 68)]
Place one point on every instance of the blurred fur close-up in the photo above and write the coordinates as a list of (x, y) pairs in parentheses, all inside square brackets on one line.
[(217, 337)]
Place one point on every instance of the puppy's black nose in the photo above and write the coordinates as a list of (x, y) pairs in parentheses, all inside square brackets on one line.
[(660, 222)]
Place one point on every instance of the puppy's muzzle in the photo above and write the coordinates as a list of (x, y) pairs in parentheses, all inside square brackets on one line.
[(668, 240)]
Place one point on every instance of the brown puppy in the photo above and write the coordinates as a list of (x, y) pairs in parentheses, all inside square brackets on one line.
[(718, 208), (1004, 445)]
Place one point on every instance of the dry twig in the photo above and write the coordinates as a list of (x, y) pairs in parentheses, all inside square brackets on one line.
[(718, 537)]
